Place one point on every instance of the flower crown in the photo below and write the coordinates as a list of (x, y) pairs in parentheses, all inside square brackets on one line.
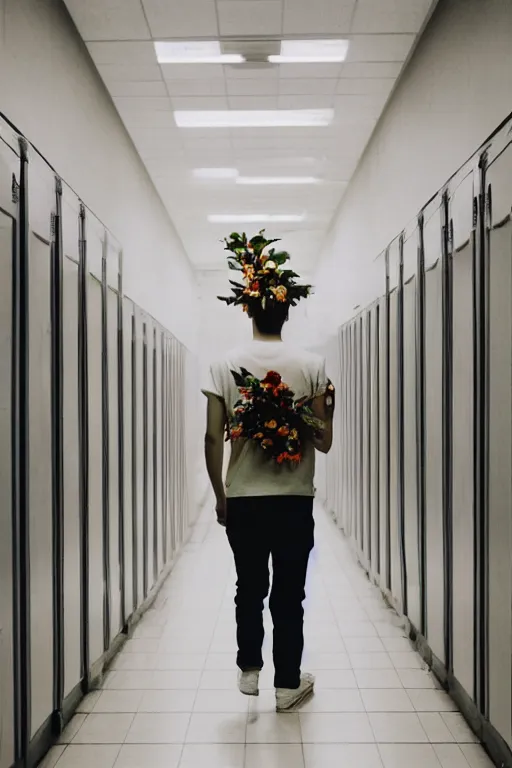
[(265, 280)]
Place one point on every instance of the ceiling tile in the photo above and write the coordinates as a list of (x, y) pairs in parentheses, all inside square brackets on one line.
[(144, 89), (313, 101), (109, 19), (200, 102), (129, 72), (348, 86), (143, 104), (318, 16), (360, 105), (192, 71), (250, 17), (253, 102), (307, 71), (252, 87), (149, 119), (251, 71), (372, 70), (380, 48), (390, 15), (196, 87), (123, 53), (298, 87), (175, 18)]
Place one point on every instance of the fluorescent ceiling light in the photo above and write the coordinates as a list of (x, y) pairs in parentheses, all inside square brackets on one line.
[(311, 51), (205, 52), (278, 118), (271, 180), (215, 173), (254, 218)]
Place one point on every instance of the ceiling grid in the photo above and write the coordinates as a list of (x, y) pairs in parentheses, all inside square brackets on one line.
[(313, 163)]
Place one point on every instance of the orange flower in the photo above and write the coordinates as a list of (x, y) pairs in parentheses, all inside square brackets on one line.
[(245, 307), (258, 436), (294, 434), (283, 431), (280, 293), (267, 443), (236, 432), (271, 424)]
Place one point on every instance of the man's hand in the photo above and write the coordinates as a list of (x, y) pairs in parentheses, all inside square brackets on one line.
[(220, 508)]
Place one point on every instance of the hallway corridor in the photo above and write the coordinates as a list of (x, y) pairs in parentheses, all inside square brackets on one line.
[(170, 700)]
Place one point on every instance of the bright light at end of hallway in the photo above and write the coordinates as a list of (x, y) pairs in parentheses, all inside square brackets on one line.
[(311, 52), (253, 118), (255, 218), (276, 180), (190, 52), (215, 173)]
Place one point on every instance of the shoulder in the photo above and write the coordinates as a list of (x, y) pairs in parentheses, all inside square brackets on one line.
[(309, 360)]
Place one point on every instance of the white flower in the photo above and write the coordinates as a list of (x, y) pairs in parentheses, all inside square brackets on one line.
[(270, 264)]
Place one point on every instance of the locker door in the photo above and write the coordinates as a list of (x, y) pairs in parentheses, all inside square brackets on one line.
[(375, 440), (463, 468), (138, 450), (42, 640), (500, 445), (394, 532), (410, 455), (365, 435), (96, 532), (129, 548), (9, 164), (433, 439), (157, 451), (383, 446), (113, 459)]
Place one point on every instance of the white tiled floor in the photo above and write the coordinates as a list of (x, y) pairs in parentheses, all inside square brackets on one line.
[(171, 701)]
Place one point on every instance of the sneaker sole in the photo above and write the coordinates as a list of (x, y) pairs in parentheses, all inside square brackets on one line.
[(249, 693), (307, 692)]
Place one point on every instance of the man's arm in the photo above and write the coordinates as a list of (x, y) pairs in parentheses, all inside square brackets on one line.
[(323, 408), (214, 451)]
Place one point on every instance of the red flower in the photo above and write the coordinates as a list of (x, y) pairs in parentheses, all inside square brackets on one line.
[(272, 378)]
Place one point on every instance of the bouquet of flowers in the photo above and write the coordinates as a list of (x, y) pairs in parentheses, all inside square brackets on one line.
[(268, 413), (263, 271)]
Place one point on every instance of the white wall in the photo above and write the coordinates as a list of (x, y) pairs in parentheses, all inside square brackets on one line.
[(50, 89), (454, 93)]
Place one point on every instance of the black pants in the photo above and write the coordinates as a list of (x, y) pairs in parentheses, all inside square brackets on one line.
[(281, 527)]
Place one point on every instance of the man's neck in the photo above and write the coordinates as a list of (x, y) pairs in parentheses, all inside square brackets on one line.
[(257, 336)]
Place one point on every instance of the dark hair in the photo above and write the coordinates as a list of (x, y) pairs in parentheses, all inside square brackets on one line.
[(270, 320)]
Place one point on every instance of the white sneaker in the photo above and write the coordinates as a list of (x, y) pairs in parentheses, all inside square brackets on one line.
[(248, 683), (288, 698)]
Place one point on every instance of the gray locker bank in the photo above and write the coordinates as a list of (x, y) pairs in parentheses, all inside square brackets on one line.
[(92, 472), (421, 475)]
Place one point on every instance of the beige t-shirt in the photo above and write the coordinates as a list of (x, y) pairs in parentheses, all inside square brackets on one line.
[(250, 471)]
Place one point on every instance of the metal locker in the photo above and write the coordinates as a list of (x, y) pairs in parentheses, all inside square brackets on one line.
[(158, 452), (394, 532), (384, 556), (8, 163), (113, 453), (463, 468), (365, 436), (500, 445), (433, 438), (96, 531), (410, 479), (374, 383), (71, 479), (40, 428), (130, 548), (149, 445)]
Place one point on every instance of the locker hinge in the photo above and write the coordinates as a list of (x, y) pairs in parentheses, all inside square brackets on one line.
[(52, 224), (15, 189)]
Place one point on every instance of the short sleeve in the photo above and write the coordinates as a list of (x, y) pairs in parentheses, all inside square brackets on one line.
[(320, 381), (211, 381)]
